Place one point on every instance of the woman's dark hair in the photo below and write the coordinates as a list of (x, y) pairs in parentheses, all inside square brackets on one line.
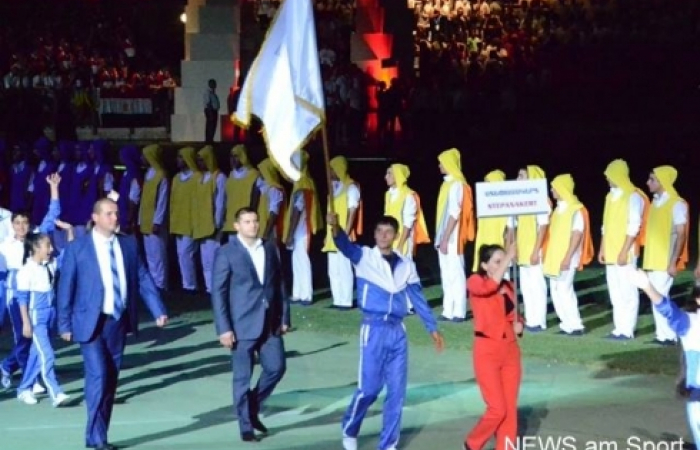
[(691, 305), (31, 242), (486, 251)]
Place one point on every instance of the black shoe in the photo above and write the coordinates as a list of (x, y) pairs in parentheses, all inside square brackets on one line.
[(258, 425), (249, 436), (663, 343), (102, 447)]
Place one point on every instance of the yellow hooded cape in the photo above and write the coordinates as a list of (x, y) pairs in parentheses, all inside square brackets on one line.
[(559, 232), (241, 152), (239, 190), (203, 220), (149, 196), (451, 162), (615, 223), (657, 251), (339, 165), (526, 236), (307, 185), (183, 196), (269, 174), (420, 235), (490, 230)]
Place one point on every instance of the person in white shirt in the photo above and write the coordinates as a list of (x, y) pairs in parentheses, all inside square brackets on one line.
[(666, 245)]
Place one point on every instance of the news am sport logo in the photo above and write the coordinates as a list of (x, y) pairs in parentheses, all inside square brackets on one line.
[(574, 443)]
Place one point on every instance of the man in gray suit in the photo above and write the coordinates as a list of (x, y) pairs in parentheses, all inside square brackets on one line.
[(251, 316)]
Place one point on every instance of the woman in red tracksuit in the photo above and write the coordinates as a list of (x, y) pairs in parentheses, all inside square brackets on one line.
[(496, 351)]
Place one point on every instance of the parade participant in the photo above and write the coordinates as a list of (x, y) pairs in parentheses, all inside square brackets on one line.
[(103, 176), (153, 216), (666, 243), (403, 204), (130, 188), (21, 175), (347, 205), (454, 228), (83, 190), (39, 190), (386, 280), (496, 354), (621, 239), (65, 170), (303, 220), (209, 217), (272, 204), (183, 206), (242, 186), (491, 230), (569, 249)]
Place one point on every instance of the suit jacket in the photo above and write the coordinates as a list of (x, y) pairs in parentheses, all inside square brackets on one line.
[(81, 291), (237, 296)]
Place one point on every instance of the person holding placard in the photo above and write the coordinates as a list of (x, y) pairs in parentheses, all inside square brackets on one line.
[(569, 249)]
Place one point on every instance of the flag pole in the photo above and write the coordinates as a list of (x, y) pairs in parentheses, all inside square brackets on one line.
[(327, 161)]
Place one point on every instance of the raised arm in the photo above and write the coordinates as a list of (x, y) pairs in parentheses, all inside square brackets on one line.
[(678, 320), (351, 250), (48, 224)]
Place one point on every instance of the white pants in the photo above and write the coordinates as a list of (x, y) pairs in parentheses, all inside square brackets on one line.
[(565, 300), (693, 410), (302, 285), (341, 279), (156, 248), (454, 285), (207, 249), (662, 282), (534, 290), (624, 297), (186, 247)]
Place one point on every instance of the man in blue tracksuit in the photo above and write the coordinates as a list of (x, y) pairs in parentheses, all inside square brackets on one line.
[(386, 284)]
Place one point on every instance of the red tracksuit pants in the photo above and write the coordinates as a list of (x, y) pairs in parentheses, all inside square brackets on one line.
[(498, 372)]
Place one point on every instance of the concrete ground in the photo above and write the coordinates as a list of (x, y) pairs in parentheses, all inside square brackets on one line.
[(175, 393)]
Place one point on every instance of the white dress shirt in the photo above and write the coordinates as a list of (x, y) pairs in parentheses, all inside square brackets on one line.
[(257, 254), (102, 249)]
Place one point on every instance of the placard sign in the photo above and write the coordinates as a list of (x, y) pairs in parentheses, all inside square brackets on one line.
[(512, 198)]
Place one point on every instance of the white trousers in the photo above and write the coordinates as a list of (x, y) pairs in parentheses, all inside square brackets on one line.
[(662, 282), (565, 300), (341, 279), (624, 297), (156, 248), (693, 410), (302, 284), (533, 287), (454, 285), (186, 248), (207, 249)]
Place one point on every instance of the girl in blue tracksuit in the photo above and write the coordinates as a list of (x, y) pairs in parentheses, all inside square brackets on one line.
[(686, 324), (35, 295), (11, 256)]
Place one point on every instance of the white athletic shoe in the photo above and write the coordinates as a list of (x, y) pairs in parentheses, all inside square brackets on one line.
[(60, 399), (27, 398), (350, 443), (6, 379), (38, 389)]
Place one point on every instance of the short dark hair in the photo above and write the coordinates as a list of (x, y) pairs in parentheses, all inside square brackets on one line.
[(486, 252), (388, 220), (21, 213), (31, 241), (245, 210)]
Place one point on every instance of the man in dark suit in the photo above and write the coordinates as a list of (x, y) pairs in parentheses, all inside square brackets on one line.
[(251, 315), (102, 277)]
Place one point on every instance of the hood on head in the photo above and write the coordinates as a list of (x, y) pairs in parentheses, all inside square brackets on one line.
[(241, 152), (189, 155), (100, 147), (564, 185), (618, 173), (81, 150), (451, 160), (66, 150), (209, 158), (131, 157), (269, 173), (535, 173), (340, 166), (43, 148), (667, 176), (401, 173), (494, 176), (152, 155)]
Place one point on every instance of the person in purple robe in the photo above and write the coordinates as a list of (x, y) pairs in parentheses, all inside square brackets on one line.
[(64, 153), (39, 190), (4, 176), (83, 190), (103, 172), (130, 188), (21, 175)]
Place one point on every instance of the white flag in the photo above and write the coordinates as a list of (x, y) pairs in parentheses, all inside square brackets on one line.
[(283, 87)]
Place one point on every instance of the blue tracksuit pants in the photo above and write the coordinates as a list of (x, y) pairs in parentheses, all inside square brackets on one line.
[(383, 361), (17, 359), (41, 356)]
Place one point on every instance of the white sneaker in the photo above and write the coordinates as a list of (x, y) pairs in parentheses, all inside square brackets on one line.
[(38, 389), (6, 380), (27, 398), (60, 399), (350, 443)]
